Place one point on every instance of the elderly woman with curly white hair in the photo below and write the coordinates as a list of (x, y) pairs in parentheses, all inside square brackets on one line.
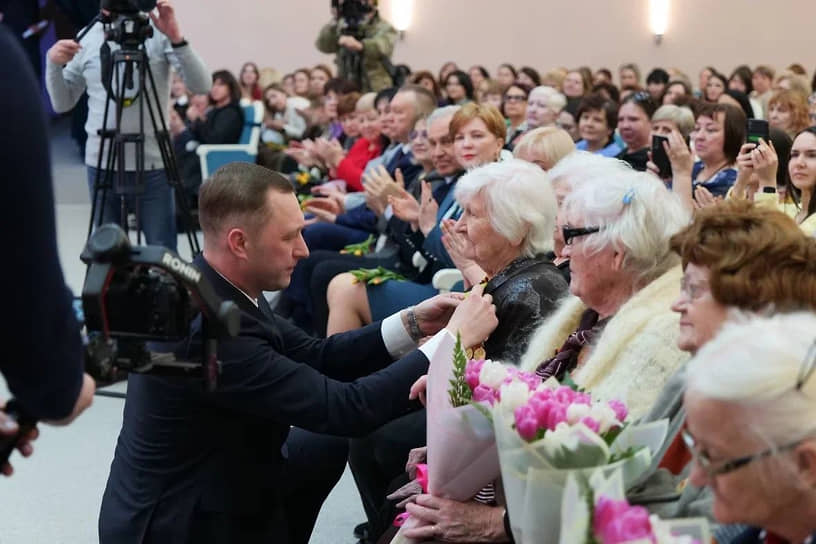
[(751, 427), (616, 335)]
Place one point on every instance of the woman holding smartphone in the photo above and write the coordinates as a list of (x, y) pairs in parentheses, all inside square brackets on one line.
[(762, 160)]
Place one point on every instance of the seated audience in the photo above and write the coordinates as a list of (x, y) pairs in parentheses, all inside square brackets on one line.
[(597, 120), (674, 90), (601, 75), (719, 132), (318, 77), (490, 94), (301, 82), (349, 168), (623, 278), (478, 137), (629, 76), (566, 121), (426, 79), (737, 258), (221, 123), (282, 121), (575, 88), (477, 75), (250, 82), (446, 69), (458, 88), (788, 111), (514, 109), (544, 146), (715, 86), (656, 83), (505, 75), (543, 106), (750, 404), (791, 81), (760, 170), (529, 77), (634, 126), (762, 82)]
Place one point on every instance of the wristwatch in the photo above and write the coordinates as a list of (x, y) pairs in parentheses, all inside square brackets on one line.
[(771, 190), (182, 43)]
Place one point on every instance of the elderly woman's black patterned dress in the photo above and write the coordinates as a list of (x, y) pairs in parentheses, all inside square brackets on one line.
[(524, 293)]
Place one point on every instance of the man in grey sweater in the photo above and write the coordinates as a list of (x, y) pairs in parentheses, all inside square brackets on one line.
[(73, 68)]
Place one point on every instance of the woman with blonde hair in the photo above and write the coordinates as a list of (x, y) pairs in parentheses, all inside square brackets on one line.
[(544, 146)]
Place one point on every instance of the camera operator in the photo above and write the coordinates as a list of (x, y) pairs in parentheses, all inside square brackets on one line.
[(74, 67), (193, 466), (42, 348), (363, 42)]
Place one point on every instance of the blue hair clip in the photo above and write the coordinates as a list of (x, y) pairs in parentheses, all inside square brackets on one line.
[(628, 196)]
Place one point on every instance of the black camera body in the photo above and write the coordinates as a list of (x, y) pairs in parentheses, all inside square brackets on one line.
[(128, 6), (352, 12), (133, 296)]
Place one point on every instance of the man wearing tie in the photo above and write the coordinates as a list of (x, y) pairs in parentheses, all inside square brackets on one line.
[(193, 466)]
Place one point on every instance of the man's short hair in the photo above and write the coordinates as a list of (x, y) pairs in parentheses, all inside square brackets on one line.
[(236, 193), (424, 100)]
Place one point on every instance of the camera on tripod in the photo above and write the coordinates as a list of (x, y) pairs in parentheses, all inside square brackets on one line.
[(134, 297), (134, 26)]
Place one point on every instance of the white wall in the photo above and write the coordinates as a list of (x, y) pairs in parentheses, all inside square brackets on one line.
[(540, 33)]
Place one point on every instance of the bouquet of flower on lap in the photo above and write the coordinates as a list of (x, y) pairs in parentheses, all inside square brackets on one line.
[(594, 511), (544, 434), (462, 457)]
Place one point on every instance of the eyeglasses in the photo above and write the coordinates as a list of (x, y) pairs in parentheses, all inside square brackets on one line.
[(693, 291), (574, 232), (713, 469), (808, 367), (515, 98), (419, 134), (642, 96)]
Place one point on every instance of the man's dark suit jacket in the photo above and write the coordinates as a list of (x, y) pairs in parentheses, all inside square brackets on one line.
[(185, 456)]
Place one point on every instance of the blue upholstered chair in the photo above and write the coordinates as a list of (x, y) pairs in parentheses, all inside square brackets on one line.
[(213, 156)]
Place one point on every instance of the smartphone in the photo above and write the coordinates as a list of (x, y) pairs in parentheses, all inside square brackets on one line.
[(660, 158), (756, 129)]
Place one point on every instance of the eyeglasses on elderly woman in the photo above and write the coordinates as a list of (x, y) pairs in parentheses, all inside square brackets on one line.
[(570, 233), (716, 468)]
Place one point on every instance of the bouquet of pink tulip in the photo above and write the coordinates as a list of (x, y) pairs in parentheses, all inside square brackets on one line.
[(462, 457), (594, 511), (545, 433)]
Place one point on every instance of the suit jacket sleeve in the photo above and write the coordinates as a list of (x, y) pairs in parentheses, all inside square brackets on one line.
[(302, 382)]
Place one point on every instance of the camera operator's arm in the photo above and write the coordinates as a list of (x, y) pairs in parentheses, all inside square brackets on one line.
[(183, 58), (328, 37), (42, 350), (381, 44), (63, 75)]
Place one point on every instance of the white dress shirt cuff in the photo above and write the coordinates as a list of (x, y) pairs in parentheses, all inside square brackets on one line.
[(397, 340), (430, 347)]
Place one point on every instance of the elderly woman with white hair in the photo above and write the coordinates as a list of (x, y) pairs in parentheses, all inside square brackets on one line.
[(506, 230), (751, 427), (616, 334), (543, 106)]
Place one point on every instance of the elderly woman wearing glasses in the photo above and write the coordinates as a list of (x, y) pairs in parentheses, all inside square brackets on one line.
[(751, 427), (616, 335), (738, 258)]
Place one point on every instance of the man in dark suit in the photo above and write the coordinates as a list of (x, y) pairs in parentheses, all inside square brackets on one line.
[(192, 466)]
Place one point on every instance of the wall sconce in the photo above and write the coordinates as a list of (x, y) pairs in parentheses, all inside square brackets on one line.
[(658, 18), (402, 14)]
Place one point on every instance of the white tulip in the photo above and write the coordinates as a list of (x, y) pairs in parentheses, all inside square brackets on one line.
[(492, 374)]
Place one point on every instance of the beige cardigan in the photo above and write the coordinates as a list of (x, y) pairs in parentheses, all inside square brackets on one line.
[(635, 354)]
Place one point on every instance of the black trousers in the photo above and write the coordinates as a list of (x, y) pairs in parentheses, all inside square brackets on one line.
[(315, 463), (379, 458)]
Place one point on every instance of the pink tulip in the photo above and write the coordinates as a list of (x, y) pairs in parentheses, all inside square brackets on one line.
[(526, 422), (620, 410), (615, 522), (591, 423), (483, 393), (472, 369), (582, 398), (565, 395)]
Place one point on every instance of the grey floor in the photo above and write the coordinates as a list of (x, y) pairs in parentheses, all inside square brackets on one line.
[(54, 495)]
